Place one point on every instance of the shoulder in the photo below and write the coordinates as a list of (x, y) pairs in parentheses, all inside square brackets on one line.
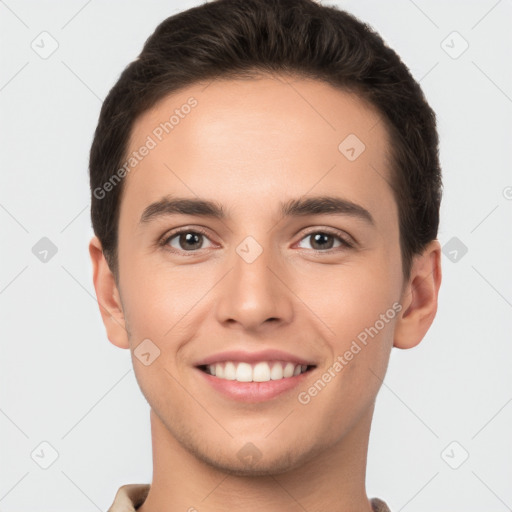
[(129, 497), (379, 506)]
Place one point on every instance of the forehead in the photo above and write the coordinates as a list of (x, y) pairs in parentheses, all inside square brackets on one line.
[(242, 140)]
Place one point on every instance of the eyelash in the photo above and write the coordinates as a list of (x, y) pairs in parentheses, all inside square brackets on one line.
[(345, 244)]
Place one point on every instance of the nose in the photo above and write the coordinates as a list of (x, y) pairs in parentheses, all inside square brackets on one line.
[(254, 295)]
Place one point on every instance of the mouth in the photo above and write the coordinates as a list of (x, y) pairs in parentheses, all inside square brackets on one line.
[(254, 382), (262, 371)]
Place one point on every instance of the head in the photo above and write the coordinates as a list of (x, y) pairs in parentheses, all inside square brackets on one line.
[(262, 109)]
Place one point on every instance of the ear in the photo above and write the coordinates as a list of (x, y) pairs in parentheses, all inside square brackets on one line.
[(107, 294), (419, 298)]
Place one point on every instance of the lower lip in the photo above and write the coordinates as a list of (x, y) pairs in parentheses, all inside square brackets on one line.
[(254, 391)]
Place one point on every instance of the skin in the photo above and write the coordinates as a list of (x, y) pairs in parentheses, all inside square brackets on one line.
[(250, 144)]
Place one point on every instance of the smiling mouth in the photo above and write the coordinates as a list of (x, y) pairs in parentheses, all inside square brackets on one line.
[(263, 371)]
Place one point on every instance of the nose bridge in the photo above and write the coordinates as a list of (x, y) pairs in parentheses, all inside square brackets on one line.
[(251, 292)]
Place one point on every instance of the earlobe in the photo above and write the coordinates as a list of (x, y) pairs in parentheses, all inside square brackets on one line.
[(419, 299), (108, 297)]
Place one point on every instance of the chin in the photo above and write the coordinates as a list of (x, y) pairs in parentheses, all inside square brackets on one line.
[(263, 467)]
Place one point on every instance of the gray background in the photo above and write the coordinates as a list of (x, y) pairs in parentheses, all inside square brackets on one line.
[(63, 383)]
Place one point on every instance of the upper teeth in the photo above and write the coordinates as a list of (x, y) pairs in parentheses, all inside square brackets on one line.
[(257, 372)]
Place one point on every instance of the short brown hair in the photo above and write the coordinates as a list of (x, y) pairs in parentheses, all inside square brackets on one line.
[(240, 38)]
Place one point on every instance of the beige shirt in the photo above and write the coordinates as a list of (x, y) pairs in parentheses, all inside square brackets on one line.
[(131, 496)]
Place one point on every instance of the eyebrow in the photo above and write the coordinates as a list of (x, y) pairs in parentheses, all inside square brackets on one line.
[(317, 205)]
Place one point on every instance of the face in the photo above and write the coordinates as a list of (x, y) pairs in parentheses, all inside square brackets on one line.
[(294, 262)]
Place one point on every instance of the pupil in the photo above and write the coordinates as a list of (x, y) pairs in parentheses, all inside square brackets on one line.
[(321, 238), (191, 239)]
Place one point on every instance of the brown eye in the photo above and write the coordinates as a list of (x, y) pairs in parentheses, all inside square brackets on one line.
[(186, 240), (323, 241)]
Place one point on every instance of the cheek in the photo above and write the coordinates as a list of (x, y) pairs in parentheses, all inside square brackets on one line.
[(361, 316), (164, 304), (150, 289), (349, 299), (357, 306)]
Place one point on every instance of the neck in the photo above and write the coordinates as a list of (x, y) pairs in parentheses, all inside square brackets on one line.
[(333, 479)]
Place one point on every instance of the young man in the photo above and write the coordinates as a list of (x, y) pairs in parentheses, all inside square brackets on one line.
[(265, 197)]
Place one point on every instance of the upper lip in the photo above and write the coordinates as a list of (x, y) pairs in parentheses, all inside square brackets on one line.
[(254, 357)]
